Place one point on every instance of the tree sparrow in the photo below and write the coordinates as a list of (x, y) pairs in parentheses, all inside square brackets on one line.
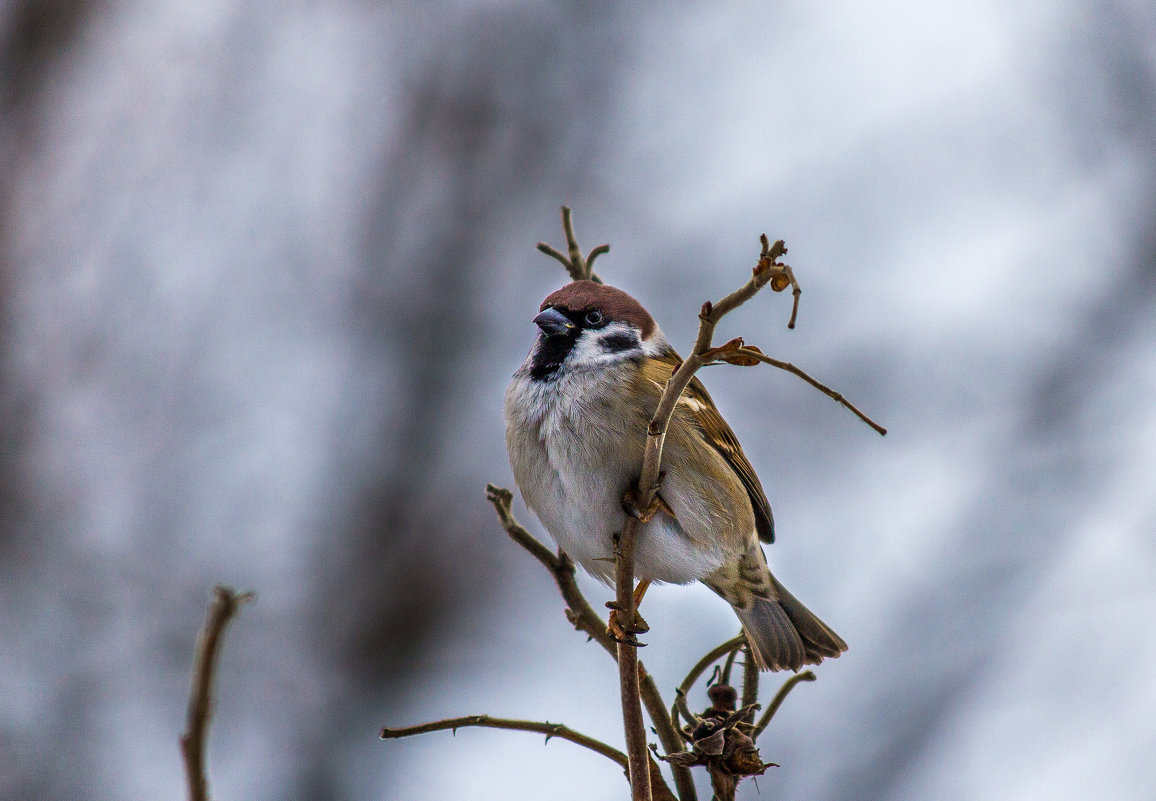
[(576, 417)]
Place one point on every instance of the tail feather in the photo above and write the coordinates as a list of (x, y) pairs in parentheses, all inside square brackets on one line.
[(784, 634)]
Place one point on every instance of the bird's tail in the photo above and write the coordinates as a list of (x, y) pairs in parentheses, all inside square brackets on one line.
[(784, 634)]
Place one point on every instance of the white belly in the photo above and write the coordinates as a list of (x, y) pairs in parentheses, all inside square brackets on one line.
[(573, 462)]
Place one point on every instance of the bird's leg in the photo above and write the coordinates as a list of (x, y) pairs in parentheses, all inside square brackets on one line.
[(626, 633)]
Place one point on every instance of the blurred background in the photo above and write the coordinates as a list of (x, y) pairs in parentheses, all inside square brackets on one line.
[(265, 270)]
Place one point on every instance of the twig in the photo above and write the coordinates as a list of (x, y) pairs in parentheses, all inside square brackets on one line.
[(225, 605), (682, 707), (750, 680), (628, 664), (777, 701), (579, 268), (766, 269), (549, 729), (711, 656), (754, 353), (583, 617), (725, 676), (646, 493), (580, 614), (667, 735), (783, 276)]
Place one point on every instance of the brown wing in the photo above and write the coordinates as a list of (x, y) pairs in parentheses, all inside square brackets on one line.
[(722, 439)]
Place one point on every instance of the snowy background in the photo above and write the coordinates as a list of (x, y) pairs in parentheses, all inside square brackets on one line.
[(264, 272)]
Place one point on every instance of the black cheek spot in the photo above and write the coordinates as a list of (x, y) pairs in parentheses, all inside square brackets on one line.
[(620, 341)]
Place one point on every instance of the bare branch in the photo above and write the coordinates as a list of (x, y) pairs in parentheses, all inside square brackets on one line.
[(579, 268), (583, 617), (711, 656), (757, 355), (549, 729), (725, 677), (628, 684), (750, 681), (646, 495), (777, 701), (226, 603), (668, 735), (766, 270), (580, 614)]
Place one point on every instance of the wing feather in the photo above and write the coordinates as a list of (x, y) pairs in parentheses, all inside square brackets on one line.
[(697, 401)]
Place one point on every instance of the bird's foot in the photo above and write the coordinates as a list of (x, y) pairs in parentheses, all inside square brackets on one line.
[(633, 506), (624, 633)]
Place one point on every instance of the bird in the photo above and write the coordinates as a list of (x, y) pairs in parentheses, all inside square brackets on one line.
[(576, 414)]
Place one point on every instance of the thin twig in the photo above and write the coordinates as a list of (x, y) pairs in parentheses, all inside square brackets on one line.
[(711, 656), (725, 676), (783, 275), (750, 679), (226, 603), (581, 614), (647, 492), (777, 701), (766, 270), (667, 735), (585, 619), (549, 729), (579, 268), (754, 353), (682, 707)]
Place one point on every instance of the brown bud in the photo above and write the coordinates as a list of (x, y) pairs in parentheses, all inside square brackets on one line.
[(722, 696)]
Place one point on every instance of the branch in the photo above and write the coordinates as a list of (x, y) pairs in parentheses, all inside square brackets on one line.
[(763, 273), (780, 696), (579, 612), (756, 354), (549, 729), (667, 735), (750, 681), (583, 617), (711, 656), (226, 604), (579, 268), (646, 493), (632, 722)]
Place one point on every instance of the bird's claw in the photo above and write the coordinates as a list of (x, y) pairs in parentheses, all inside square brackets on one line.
[(631, 504), (624, 633)]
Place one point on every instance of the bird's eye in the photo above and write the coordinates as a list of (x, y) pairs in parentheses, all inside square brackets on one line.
[(594, 317)]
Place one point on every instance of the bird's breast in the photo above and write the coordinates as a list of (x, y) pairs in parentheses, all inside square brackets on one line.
[(575, 450)]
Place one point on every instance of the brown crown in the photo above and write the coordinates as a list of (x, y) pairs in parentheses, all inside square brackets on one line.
[(584, 296)]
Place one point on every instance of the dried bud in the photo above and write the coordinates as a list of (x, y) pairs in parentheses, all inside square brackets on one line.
[(780, 281), (722, 696), (713, 744)]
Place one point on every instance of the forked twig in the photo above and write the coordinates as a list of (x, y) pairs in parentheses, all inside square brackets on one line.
[(708, 659), (579, 268), (585, 619), (226, 603)]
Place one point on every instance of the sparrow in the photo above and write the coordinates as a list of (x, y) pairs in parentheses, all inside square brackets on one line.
[(576, 415)]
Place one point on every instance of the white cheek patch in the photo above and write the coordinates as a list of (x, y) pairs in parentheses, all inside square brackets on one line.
[(614, 343)]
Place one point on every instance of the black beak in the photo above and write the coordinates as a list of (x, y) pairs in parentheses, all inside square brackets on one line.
[(554, 323)]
